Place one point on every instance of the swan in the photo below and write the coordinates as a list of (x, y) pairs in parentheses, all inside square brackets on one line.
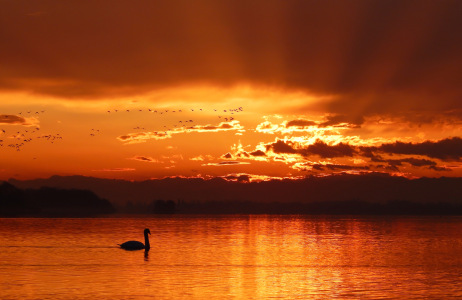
[(135, 245)]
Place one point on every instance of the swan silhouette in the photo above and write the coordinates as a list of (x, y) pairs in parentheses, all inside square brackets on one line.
[(135, 245)]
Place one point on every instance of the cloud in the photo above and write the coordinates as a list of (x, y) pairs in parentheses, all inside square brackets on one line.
[(227, 163), (18, 120), (300, 123), (258, 153), (331, 123), (238, 178), (339, 167), (394, 163), (440, 169), (324, 150), (412, 161), (141, 137), (446, 149), (223, 126), (319, 148), (144, 159), (201, 158), (375, 57), (330, 167), (299, 153), (343, 121), (449, 149), (227, 156), (267, 127), (115, 170), (281, 146)]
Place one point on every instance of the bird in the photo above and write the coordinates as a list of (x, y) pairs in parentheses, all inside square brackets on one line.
[(136, 245)]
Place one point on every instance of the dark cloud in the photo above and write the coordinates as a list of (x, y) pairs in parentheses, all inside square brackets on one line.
[(392, 165), (449, 149), (243, 178), (343, 120), (243, 154), (13, 120), (389, 156), (446, 149), (240, 178), (300, 123), (318, 167), (144, 158), (227, 155), (210, 127), (229, 163), (334, 167), (324, 150), (319, 148), (258, 153), (440, 169), (281, 147), (374, 56), (416, 162)]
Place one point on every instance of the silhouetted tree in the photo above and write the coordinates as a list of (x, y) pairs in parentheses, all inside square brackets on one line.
[(12, 200), (164, 207)]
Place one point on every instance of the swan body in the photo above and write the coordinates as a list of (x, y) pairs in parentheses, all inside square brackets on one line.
[(132, 245), (136, 245)]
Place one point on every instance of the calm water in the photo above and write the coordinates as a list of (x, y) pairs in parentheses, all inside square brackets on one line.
[(226, 257)]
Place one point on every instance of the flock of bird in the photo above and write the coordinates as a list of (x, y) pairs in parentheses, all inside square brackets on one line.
[(18, 139), (224, 115), (162, 111), (31, 112), (21, 138)]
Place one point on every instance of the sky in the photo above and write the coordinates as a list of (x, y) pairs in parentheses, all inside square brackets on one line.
[(139, 90)]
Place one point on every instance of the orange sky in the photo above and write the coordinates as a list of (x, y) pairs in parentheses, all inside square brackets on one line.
[(147, 89)]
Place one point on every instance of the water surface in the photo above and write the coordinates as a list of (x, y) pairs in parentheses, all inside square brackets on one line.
[(232, 257)]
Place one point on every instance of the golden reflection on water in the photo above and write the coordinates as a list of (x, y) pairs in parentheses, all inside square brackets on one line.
[(240, 257)]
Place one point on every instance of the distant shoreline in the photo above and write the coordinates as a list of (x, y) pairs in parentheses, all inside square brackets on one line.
[(342, 195)]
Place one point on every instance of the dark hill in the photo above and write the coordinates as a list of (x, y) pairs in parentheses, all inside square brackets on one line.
[(49, 202)]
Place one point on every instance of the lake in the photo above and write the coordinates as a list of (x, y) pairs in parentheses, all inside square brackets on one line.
[(232, 257)]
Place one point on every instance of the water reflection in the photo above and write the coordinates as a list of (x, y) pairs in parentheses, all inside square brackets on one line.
[(146, 255), (251, 257)]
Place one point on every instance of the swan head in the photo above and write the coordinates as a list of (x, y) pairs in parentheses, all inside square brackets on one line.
[(146, 231)]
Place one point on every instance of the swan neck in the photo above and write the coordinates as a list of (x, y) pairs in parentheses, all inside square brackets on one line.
[(146, 241)]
